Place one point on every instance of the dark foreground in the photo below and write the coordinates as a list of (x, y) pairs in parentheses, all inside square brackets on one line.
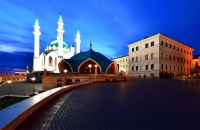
[(138, 104)]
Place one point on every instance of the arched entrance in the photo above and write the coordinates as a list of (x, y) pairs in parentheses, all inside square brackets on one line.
[(64, 65), (85, 69), (112, 68)]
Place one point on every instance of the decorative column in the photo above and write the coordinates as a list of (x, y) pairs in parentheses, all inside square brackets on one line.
[(78, 41)]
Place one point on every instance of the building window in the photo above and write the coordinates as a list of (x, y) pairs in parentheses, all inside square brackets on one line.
[(178, 59), (126, 60), (170, 67), (187, 69), (170, 57), (178, 49), (146, 67), (123, 60), (184, 60), (146, 45), (162, 43), (187, 61), (132, 68), (181, 49), (166, 56), (166, 44), (133, 59), (137, 48), (152, 43), (140, 58), (152, 55), (146, 57), (187, 52), (174, 58), (161, 55), (141, 67), (166, 67), (177, 68), (137, 59), (126, 66), (190, 53), (181, 60), (161, 66), (174, 68), (132, 49), (174, 48), (152, 66), (136, 67), (184, 51), (170, 46), (50, 61)]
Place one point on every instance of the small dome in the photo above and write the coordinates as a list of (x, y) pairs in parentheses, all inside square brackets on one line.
[(56, 44)]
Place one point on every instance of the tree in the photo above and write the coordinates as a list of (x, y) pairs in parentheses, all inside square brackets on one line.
[(196, 66)]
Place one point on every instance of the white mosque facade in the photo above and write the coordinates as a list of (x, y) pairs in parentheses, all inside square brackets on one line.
[(55, 51)]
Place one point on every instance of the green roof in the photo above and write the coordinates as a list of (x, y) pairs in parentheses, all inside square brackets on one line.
[(56, 44), (77, 59)]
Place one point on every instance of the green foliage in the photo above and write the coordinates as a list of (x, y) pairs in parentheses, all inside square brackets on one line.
[(5, 102), (196, 66)]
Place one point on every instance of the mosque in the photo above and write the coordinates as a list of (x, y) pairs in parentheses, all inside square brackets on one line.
[(55, 51)]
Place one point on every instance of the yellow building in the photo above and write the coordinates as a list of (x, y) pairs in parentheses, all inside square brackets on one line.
[(159, 56)]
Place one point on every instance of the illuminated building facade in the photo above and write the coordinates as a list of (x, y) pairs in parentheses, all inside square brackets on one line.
[(160, 57), (55, 51), (196, 61), (123, 63)]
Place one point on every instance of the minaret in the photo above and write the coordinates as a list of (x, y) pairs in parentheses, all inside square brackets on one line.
[(37, 34), (78, 41), (60, 36)]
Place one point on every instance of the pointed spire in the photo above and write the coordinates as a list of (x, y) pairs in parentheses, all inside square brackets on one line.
[(36, 20), (90, 45), (60, 18), (78, 30)]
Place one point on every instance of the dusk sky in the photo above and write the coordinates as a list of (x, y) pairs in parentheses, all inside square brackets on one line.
[(110, 24)]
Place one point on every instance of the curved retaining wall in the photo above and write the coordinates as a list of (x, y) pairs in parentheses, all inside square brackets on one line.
[(14, 115)]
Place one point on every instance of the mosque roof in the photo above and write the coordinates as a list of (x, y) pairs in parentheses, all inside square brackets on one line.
[(77, 59), (55, 42)]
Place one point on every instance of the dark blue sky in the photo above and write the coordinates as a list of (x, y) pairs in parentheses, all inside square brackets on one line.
[(110, 24)]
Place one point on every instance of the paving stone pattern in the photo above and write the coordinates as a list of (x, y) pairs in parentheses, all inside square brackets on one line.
[(138, 104)]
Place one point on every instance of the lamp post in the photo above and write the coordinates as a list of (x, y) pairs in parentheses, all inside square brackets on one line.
[(65, 71), (95, 69), (9, 81), (33, 80), (89, 66)]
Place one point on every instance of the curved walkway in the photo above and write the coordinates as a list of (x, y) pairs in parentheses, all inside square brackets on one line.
[(138, 104)]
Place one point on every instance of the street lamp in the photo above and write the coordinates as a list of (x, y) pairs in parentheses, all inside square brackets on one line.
[(95, 69), (65, 71), (9, 81), (33, 80), (89, 66)]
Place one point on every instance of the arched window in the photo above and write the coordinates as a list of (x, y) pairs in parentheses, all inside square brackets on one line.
[(50, 61), (44, 60)]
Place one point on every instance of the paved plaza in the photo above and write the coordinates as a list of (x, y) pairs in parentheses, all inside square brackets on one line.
[(137, 104), (20, 88)]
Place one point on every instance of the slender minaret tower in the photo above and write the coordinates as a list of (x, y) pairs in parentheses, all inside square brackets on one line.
[(78, 41), (37, 34), (60, 36)]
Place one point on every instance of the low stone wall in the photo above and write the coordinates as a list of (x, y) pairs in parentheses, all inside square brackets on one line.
[(53, 81), (14, 115), (13, 77)]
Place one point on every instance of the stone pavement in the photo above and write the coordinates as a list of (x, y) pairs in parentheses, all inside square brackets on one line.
[(138, 104)]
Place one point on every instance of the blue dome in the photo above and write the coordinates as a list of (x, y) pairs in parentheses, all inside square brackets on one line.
[(77, 59), (56, 44)]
